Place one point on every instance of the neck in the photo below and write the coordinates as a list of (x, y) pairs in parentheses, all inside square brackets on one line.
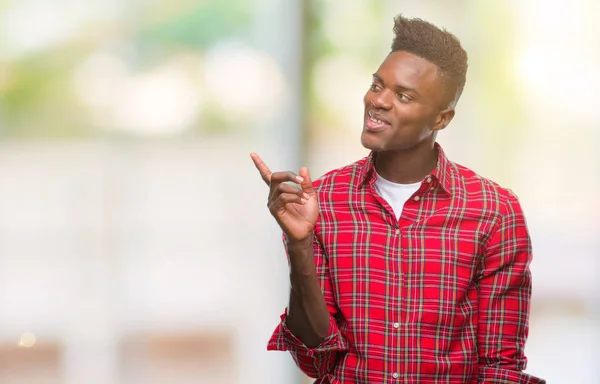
[(406, 166)]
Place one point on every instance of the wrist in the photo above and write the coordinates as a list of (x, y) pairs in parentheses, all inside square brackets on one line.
[(300, 244), (301, 256)]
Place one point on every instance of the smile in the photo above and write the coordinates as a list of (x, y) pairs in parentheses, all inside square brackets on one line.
[(374, 123)]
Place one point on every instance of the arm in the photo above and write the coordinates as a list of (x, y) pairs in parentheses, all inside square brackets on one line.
[(308, 328), (308, 317), (504, 297), (309, 331)]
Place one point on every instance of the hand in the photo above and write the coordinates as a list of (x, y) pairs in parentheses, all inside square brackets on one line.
[(295, 209)]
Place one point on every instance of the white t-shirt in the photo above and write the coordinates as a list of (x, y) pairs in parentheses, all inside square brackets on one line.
[(395, 194)]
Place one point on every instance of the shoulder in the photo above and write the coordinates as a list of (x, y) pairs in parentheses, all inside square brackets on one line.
[(340, 179), (479, 190)]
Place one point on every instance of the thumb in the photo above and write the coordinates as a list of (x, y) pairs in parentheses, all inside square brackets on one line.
[(307, 184)]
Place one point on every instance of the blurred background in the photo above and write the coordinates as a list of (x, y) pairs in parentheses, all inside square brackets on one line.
[(135, 245)]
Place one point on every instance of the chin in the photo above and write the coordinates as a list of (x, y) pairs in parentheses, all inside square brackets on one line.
[(371, 143)]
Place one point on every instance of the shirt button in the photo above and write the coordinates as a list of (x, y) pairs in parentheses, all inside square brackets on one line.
[(396, 325), (397, 232), (395, 375), (417, 198), (429, 179)]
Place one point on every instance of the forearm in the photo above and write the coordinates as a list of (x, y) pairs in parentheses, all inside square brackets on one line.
[(308, 328), (308, 318)]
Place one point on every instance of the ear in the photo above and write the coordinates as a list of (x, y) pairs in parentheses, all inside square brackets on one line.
[(443, 119)]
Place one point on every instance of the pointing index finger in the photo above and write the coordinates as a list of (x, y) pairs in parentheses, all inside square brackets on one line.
[(264, 171)]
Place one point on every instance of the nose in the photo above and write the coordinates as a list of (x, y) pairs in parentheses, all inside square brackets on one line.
[(382, 100)]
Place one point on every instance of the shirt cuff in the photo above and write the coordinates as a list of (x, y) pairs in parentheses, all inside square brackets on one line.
[(284, 340), (496, 375)]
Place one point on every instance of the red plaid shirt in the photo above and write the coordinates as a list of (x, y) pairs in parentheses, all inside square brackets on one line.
[(439, 296)]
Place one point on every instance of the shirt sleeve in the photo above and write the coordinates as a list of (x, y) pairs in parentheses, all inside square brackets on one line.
[(317, 362), (504, 300)]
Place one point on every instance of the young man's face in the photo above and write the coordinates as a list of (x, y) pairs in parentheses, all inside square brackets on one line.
[(405, 105)]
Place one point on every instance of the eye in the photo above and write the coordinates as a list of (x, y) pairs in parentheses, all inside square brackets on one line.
[(404, 98), (374, 87)]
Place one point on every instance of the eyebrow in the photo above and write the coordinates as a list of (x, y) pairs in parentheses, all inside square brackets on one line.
[(398, 87)]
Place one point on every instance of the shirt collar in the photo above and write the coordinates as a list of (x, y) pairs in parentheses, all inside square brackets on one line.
[(442, 172)]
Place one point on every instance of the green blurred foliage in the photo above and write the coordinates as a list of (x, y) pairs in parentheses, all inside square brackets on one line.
[(37, 100), (198, 26), (36, 97), (500, 98)]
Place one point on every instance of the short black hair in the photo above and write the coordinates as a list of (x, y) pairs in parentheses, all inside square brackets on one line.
[(435, 45)]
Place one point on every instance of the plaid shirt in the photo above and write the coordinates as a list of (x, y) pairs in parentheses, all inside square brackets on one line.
[(439, 296)]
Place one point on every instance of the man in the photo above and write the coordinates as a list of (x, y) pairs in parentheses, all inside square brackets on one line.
[(405, 267)]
